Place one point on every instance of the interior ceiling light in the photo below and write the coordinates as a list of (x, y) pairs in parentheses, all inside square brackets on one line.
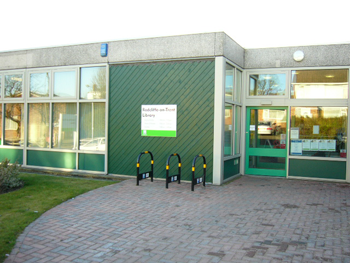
[(267, 77), (329, 76)]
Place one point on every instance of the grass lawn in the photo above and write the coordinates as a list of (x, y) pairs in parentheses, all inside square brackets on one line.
[(39, 194)]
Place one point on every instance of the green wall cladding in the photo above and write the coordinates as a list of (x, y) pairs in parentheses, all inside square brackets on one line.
[(230, 168), (317, 169), (189, 85), (92, 162), (12, 154), (52, 159)]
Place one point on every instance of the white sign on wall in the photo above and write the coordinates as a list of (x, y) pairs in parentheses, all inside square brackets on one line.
[(159, 120)]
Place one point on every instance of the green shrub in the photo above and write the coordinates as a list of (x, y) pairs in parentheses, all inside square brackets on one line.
[(9, 176)]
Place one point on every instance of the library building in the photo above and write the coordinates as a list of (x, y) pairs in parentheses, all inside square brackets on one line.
[(93, 108)]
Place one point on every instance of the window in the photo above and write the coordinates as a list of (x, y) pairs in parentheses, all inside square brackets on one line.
[(64, 126), (238, 129), (64, 84), (39, 85), (14, 124), (267, 85), (319, 131), (13, 86), (0, 123), (229, 80), (238, 86), (228, 130), (51, 115), (92, 126), (268, 128), (93, 83), (320, 84), (233, 91), (38, 125)]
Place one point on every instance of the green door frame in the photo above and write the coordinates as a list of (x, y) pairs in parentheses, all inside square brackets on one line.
[(269, 152)]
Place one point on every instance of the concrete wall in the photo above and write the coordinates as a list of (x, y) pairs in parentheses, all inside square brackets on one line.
[(177, 47), (233, 51), (161, 48), (51, 57), (315, 56)]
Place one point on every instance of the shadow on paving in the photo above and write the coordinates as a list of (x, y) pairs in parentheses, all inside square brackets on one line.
[(255, 219)]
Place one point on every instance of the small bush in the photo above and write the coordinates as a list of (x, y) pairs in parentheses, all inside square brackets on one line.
[(9, 176)]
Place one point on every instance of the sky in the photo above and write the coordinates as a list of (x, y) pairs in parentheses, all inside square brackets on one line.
[(251, 23)]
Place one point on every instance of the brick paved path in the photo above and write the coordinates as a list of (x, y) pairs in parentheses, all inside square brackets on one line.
[(253, 219)]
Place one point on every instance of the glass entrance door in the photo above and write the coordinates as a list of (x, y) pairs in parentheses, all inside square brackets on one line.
[(266, 141)]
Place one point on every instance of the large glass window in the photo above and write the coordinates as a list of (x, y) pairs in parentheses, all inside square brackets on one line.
[(233, 91), (63, 108), (228, 130), (39, 84), (320, 84), (267, 85), (14, 124), (64, 126), (38, 125), (319, 131), (13, 86), (64, 84), (92, 126), (93, 83)]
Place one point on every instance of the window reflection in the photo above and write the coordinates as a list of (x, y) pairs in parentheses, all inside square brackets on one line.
[(229, 80), (238, 86), (267, 85), (64, 126), (64, 84), (13, 86), (228, 130), (319, 131), (38, 125), (268, 128), (39, 84), (93, 83), (92, 126), (238, 129), (14, 124)]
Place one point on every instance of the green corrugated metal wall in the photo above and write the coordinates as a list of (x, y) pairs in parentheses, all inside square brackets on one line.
[(189, 85), (51, 159), (317, 169), (14, 155)]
